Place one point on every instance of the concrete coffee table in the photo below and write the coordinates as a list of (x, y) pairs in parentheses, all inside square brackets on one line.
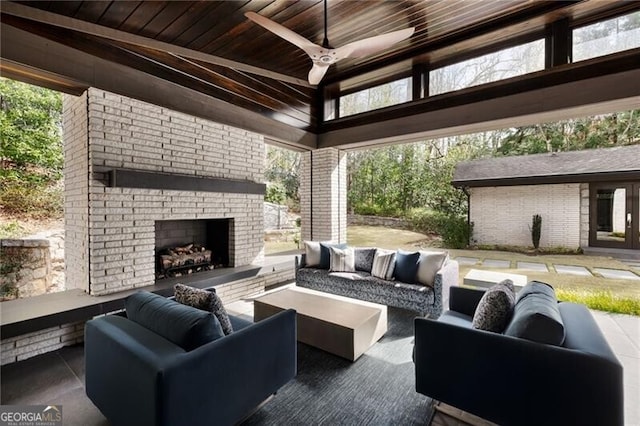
[(485, 279), (339, 325)]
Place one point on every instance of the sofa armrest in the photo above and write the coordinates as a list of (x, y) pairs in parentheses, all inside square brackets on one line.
[(300, 261), (500, 377), (464, 300), (445, 278), (231, 375)]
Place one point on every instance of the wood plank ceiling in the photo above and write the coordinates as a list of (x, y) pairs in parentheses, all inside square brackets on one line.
[(269, 74)]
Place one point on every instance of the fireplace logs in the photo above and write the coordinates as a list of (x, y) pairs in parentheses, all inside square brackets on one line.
[(177, 261)]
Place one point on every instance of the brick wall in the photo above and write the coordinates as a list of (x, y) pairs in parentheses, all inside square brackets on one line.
[(120, 222), (323, 193), (584, 215), (76, 191), (29, 345), (502, 215)]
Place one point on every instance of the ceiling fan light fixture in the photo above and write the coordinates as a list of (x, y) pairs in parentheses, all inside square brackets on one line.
[(323, 57)]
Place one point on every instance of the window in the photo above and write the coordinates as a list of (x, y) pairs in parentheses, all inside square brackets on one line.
[(495, 66), (606, 37), (393, 93)]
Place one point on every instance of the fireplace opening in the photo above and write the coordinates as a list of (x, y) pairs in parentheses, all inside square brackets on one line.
[(189, 246)]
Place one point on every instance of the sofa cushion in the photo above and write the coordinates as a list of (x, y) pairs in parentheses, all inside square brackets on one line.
[(406, 267), (495, 308), (384, 263), (325, 254), (183, 325), (206, 300), (312, 252), (364, 258), (341, 260), (536, 315), (429, 265)]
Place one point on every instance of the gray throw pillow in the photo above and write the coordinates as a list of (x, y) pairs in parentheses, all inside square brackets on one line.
[(495, 308), (429, 265), (207, 300), (364, 258), (536, 316), (384, 263), (312, 252), (341, 260)]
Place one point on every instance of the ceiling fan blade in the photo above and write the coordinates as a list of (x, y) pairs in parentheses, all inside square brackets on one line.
[(317, 72), (283, 32), (368, 46)]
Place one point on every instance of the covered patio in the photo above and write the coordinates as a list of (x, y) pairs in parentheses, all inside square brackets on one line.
[(168, 107)]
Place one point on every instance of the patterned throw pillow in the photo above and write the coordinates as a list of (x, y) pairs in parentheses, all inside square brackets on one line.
[(341, 260), (430, 263), (364, 258), (207, 300), (325, 255), (495, 308), (312, 251), (384, 263)]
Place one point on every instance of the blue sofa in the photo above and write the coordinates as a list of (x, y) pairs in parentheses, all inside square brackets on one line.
[(514, 381), (138, 377)]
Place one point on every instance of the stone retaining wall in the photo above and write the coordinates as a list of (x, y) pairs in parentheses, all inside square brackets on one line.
[(26, 267), (390, 222)]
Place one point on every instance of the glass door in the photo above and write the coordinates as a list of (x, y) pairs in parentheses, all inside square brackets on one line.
[(615, 215)]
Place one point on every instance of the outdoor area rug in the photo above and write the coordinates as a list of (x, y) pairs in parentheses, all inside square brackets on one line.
[(377, 389)]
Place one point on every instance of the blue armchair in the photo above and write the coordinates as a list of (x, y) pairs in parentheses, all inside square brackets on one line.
[(137, 377), (514, 381)]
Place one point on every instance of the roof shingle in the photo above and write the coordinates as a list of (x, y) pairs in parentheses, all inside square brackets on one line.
[(572, 166)]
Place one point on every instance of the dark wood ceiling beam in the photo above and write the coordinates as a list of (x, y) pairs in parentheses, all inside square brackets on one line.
[(230, 82), (596, 86), (29, 75), (39, 53), (44, 17)]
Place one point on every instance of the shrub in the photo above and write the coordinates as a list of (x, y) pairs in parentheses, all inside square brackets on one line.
[(275, 193), (456, 232), (536, 230), (369, 209), (426, 221), (31, 195)]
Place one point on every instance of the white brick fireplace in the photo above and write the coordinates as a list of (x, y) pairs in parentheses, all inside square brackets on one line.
[(157, 155)]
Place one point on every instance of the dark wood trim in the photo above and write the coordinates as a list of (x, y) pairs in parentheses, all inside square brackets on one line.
[(558, 44), (471, 32), (547, 180), (632, 206), (604, 65), (124, 178)]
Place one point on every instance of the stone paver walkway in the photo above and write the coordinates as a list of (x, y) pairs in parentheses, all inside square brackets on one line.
[(572, 270), (560, 269)]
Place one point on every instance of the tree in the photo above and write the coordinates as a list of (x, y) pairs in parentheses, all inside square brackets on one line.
[(282, 171), (30, 125)]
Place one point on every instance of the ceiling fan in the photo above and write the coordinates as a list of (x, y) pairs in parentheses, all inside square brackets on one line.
[(325, 55)]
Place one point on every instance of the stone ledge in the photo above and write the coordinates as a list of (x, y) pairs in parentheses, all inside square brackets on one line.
[(27, 242), (23, 316)]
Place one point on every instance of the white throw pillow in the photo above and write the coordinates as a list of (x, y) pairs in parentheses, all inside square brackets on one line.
[(429, 265), (342, 260), (384, 262), (312, 251)]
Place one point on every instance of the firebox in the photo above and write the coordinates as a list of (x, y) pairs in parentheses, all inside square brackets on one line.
[(189, 246)]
